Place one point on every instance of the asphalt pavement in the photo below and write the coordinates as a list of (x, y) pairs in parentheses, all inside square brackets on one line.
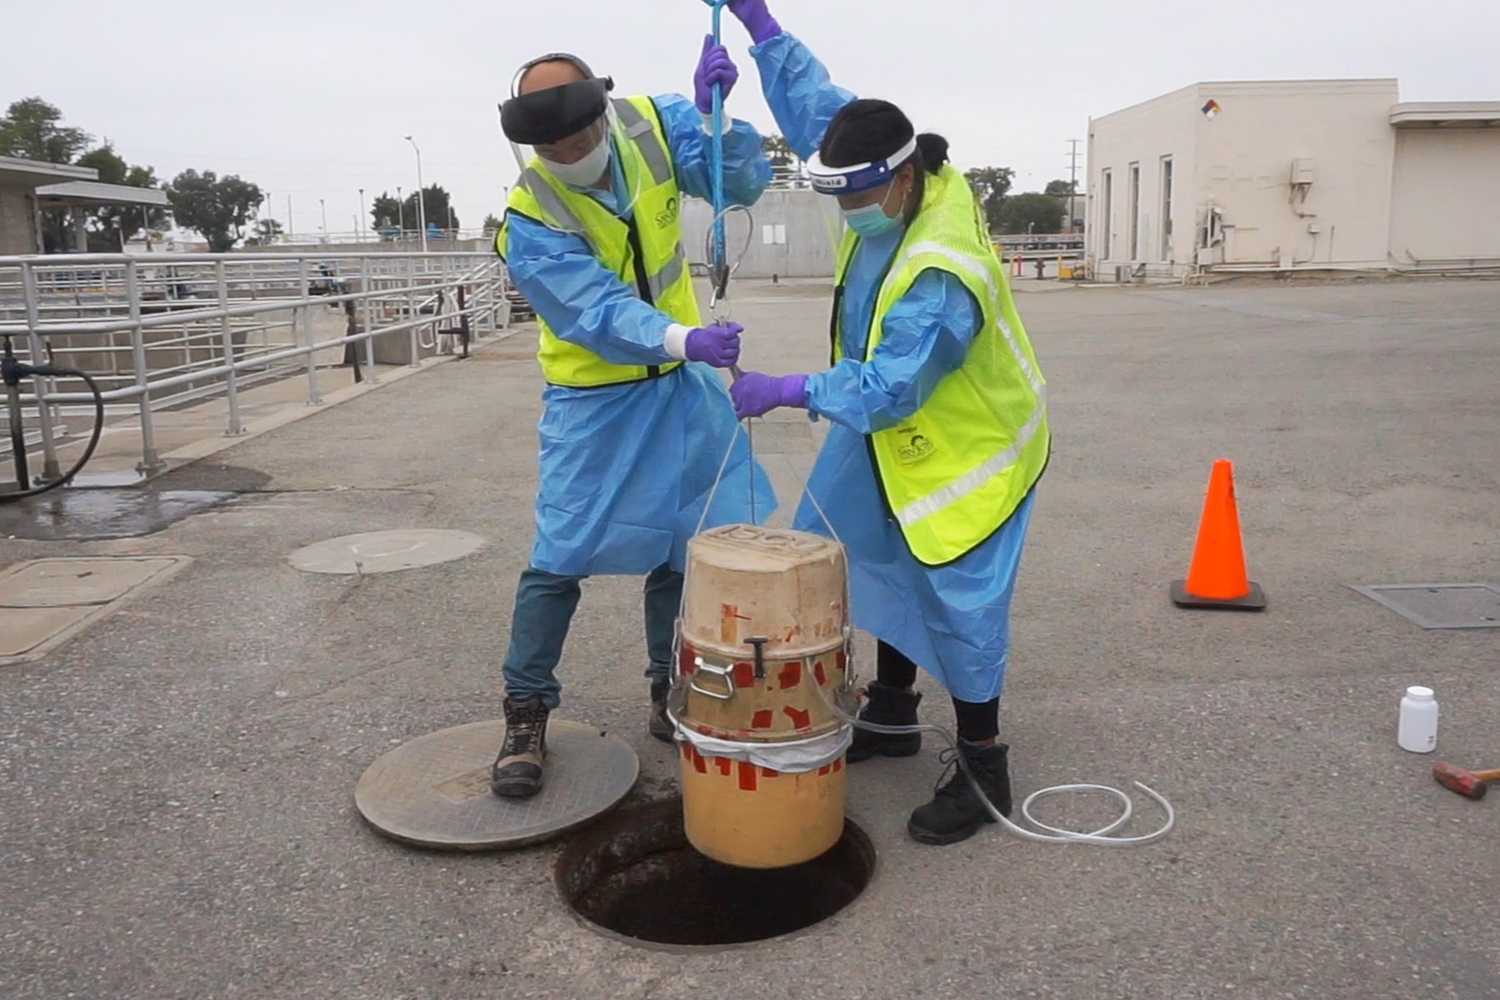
[(177, 817)]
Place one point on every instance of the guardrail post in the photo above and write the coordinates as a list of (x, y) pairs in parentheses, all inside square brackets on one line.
[(231, 377), (50, 468), (313, 399), (367, 318), (150, 462), (411, 307)]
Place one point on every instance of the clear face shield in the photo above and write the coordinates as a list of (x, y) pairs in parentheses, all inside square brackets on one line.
[(573, 133)]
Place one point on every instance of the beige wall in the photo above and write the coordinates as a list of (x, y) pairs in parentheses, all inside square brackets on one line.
[(1245, 156), (1239, 163), (1445, 203), (1142, 134), (17, 227)]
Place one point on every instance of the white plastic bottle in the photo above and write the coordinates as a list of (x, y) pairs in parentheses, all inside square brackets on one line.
[(1417, 730)]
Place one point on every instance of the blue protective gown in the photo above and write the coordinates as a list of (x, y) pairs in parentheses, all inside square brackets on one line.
[(625, 470), (952, 620)]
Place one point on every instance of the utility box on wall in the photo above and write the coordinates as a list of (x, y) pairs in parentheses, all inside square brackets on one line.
[(1304, 169)]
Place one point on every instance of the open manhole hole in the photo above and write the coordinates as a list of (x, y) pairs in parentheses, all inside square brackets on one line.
[(636, 875)]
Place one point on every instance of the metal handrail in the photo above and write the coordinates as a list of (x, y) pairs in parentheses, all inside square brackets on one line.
[(213, 347)]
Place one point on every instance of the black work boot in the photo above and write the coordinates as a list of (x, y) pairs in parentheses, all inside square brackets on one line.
[(955, 812), (517, 771), (658, 724), (887, 706)]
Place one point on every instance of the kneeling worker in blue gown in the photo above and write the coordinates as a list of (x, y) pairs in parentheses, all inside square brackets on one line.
[(635, 423)]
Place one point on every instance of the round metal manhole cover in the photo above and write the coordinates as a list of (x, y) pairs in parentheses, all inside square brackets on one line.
[(385, 551), (435, 791)]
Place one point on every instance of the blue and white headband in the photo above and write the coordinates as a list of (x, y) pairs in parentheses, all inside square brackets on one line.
[(861, 176)]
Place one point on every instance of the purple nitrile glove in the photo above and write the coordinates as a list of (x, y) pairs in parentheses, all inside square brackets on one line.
[(717, 345), (756, 18), (714, 66), (756, 394)]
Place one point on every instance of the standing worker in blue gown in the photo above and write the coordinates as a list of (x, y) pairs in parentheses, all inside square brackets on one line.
[(939, 419), (635, 424)]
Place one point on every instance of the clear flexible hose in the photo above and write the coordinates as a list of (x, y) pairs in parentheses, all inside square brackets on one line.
[(1101, 837)]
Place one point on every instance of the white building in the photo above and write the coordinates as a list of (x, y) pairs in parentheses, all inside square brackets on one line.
[(1296, 174)]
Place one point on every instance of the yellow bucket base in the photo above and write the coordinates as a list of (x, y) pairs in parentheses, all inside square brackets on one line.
[(751, 817)]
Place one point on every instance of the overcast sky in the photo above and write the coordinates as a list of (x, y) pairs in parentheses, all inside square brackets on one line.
[(312, 99)]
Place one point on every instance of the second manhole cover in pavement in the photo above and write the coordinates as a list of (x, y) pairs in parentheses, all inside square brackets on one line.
[(435, 790), (1440, 605), (385, 551)]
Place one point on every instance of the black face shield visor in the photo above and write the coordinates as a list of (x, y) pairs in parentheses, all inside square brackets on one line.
[(550, 115)]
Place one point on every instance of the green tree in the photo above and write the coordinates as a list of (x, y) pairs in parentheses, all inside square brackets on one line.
[(1031, 212), (491, 225), (32, 129), (1059, 188), (218, 208), (384, 213), (435, 203), (111, 225), (991, 185), (786, 165), (266, 233)]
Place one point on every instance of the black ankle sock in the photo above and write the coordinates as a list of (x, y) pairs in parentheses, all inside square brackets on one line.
[(892, 668), (977, 720)]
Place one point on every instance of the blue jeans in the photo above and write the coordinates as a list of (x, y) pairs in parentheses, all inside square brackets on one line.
[(545, 603)]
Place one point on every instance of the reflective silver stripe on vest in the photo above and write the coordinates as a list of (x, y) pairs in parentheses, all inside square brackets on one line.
[(641, 132), (974, 268), (975, 478), (669, 275), (555, 208)]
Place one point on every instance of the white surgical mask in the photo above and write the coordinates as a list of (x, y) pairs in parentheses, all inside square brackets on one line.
[(586, 172)]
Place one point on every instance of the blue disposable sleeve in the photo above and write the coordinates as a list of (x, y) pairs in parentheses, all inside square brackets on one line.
[(802, 96), (582, 302), (747, 171), (925, 337)]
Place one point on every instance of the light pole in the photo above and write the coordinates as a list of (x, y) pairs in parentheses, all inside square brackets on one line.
[(290, 226), (324, 207), (400, 215), (360, 229), (421, 208), (452, 226)]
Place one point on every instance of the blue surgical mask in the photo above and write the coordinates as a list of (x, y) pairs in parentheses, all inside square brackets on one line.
[(871, 220)]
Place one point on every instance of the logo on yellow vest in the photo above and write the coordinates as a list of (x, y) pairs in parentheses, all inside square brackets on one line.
[(668, 215), (912, 445)]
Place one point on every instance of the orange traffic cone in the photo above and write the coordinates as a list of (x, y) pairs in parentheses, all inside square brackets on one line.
[(1217, 577)]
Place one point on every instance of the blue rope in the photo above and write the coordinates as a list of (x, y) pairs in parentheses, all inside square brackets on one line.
[(720, 263)]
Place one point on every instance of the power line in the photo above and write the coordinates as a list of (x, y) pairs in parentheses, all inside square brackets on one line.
[(1072, 180)]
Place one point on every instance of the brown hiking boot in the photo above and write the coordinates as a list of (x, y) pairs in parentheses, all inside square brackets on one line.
[(517, 772)]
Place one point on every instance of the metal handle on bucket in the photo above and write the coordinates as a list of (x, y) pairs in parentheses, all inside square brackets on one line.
[(726, 674)]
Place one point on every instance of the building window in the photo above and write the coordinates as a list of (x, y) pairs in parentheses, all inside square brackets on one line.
[(1106, 215), (1166, 209), (1135, 211)]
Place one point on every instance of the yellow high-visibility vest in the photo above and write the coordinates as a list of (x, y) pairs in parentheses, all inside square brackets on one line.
[(957, 469), (645, 251)]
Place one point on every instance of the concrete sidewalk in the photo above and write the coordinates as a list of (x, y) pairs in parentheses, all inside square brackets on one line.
[(178, 816)]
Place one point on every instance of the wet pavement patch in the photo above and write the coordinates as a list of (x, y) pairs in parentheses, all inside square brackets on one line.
[(46, 601), (84, 514), (635, 874)]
